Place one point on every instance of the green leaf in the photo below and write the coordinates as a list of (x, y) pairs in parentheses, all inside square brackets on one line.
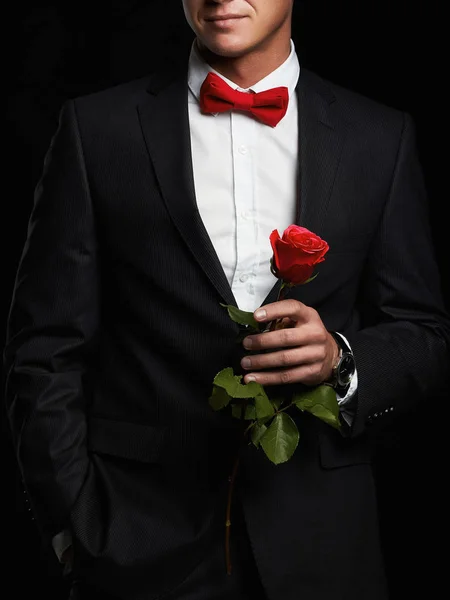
[(232, 385), (281, 439), (321, 401), (219, 398), (241, 316), (264, 407), (319, 394), (277, 402), (323, 413), (250, 412), (257, 431)]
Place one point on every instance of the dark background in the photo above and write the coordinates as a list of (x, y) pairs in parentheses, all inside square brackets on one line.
[(388, 50)]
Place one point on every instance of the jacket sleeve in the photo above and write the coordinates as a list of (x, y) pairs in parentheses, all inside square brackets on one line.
[(51, 333), (403, 355)]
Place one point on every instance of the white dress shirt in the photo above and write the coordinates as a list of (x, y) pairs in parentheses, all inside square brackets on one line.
[(245, 176)]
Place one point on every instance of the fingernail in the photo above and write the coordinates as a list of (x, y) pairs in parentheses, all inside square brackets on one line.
[(260, 314), (247, 343), (246, 363), (250, 378)]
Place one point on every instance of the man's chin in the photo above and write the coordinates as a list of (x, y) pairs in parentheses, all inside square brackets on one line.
[(225, 49)]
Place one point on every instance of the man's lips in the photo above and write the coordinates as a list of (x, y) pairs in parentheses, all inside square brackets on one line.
[(224, 17)]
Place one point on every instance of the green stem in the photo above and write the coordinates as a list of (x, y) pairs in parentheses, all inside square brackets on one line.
[(284, 288), (285, 408), (252, 424), (231, 481)]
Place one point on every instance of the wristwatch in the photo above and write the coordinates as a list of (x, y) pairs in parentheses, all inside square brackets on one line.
[(344, 368)]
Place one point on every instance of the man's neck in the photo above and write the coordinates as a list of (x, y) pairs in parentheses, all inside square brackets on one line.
[(250, 68)]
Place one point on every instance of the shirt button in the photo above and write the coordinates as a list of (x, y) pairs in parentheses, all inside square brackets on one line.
[(246, 214), (243, 278), (243, 149)]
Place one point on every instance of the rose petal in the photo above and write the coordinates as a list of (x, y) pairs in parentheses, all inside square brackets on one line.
[(297, 274), (274, 237), (289, 255)]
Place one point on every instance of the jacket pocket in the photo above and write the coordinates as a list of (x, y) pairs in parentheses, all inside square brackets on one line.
[(133, 441), (337, 451)]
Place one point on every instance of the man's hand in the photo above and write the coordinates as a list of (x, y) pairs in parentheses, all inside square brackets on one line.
[(304, 351)]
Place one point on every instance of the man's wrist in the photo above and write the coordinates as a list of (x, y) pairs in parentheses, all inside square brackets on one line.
[(337, 351), (344, 368)]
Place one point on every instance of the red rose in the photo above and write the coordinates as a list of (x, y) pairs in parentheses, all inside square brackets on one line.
[(296, 254)]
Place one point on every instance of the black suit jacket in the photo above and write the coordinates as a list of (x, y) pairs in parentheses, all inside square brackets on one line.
[(116, 332)]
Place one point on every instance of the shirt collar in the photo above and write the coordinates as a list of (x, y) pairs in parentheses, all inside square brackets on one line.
[(286, 74)]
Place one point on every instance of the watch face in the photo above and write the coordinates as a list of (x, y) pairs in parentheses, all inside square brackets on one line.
[(346, 369)]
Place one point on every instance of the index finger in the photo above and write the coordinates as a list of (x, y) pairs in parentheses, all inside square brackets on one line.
[(292, 309)]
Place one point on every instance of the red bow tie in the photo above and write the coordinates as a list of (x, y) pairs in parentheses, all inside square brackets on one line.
[(269, 106)]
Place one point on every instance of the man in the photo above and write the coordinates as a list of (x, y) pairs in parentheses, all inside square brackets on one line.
[(152, 211)]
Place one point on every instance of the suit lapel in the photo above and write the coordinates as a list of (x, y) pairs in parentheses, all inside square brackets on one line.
[(320, 141), (164, 120)]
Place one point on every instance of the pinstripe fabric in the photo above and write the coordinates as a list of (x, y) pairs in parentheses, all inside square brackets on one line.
[(116, 332)]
